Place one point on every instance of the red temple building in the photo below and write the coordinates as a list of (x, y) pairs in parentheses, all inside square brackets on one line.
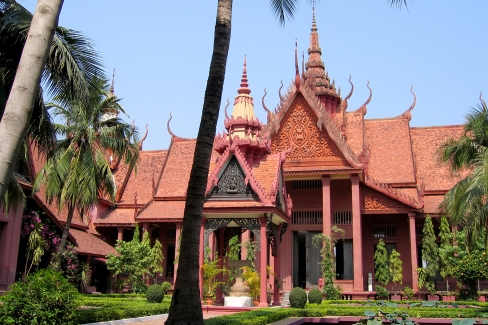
[(313, 165)]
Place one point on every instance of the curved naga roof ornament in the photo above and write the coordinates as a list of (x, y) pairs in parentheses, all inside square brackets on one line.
[(282, 99), (344, 101), (143, 138), (169, 129), (483, 102), (408, 113), (225, 110), (363, 108)]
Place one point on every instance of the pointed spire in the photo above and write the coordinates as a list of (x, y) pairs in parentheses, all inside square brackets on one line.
[(112, 88), (297, 72), (314, 23), (244, 85)]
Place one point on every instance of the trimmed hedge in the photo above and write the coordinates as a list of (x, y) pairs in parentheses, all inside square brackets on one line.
[(122, 311), (315, 296), (298, 298), (155, 294)]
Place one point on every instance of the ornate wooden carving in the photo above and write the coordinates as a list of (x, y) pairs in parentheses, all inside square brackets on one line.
[(232, 182), (374, 200), (299, 129)]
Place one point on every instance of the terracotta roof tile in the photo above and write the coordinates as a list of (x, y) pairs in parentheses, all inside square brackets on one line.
[(118, 216), (163, 210), (266, 173), (176, 173), (391, 158), (60, 214), (355, 130), (149, 167), (431, 203), (89, 244), (425, 142), (232, 204)]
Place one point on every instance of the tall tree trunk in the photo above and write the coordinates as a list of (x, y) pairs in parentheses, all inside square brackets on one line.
[(58, 257), (186, 307), (18, 110)]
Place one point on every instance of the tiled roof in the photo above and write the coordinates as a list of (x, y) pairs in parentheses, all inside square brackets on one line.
[(232, 204), (89, 244), (176, 173), (425, 143), (266, 173), (431, 203), (118, 216), (60, 214), (163, 210), (141, 181), (391, 158), (355, 130)]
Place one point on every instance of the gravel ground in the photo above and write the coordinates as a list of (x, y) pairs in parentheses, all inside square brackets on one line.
[(149, 320)]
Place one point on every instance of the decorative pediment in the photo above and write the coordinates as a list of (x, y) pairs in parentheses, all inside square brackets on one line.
[(299, 129), (377, 202), (232, 183)]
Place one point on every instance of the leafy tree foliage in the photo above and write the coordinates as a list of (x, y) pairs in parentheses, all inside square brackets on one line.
[(136, 258), (396, 268), (430, 253), (381, 271), (327, 265), (446, 250), (45, 297)]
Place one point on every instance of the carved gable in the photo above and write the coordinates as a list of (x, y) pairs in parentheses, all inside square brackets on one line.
[(376, 202), (232, 184), (299, 128)]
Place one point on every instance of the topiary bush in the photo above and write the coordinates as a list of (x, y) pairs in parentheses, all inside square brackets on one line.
[(46, 297), (298, 298), (315, 296), (155, 294), (166, 286)]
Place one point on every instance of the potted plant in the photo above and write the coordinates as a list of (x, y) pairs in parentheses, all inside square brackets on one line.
[(210, 282), (447, 295), (396, 273), (382, 292), (253, 281)]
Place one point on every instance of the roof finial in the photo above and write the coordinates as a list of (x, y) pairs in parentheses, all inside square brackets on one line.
[(303, 64), (244, 85), (167, 125), (112, 88), (314, 23), (297, 73), (482, 101)]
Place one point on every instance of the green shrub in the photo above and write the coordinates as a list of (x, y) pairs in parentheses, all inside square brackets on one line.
[(298, 298), (315, 296), (46, 297), (408, 292), (166, 286), (155, 293), (382, 292)]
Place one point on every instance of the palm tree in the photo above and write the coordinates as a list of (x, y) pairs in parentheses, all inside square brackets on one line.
[(466, 203), (77, 171), (68, 64), (185, 305)]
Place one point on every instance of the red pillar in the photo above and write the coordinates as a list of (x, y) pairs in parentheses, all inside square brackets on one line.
[(9, 246), (177, 240), (326, 207), (219, 296), (201, 256), (263, 301), (413, 250), (120, 233), (244, 238), (358, 284), (277, 273)]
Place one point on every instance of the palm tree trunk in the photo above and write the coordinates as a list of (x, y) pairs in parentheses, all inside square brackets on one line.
[(186, 307), (18, 110), (58, 257)]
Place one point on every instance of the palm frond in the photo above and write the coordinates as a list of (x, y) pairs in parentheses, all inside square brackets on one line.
[(283, 9)]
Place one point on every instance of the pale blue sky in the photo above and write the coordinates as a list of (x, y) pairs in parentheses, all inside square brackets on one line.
[(161, 52)]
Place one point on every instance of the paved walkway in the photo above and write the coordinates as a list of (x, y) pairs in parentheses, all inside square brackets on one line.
[(150, 320)]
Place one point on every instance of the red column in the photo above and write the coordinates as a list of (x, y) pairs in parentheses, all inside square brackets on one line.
[(263, 301), (177, 240), (358, 284), (219, 296), (120, 233), (9, 246), (326, 207), (277, 277), (413, 250), (201, 256)]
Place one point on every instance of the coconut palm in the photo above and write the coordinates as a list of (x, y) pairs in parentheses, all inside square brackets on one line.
[(466, 203), (185, 305), (62, 59), (77, 172)]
